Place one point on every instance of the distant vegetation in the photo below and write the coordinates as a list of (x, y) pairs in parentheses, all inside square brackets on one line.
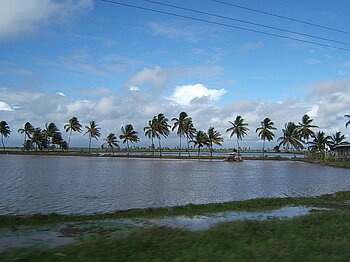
[(295, 136)]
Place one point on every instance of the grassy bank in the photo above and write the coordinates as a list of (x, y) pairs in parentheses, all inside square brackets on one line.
[(321, 236), (329, 200)]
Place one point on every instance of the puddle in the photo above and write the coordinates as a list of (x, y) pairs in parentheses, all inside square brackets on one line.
[(197, 223), (66, 233)]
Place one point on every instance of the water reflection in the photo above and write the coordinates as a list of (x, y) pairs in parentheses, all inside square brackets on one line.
[(83, 185)]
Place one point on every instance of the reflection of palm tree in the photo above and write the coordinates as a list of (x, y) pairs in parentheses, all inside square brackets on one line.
[(4, 131), (180, 124), (200, 140), (337, 139), (265, 132), (28, 130), (320, 142), (128, 134), (94, 132), (73, 125), (290, 137), (213, 137), (189, 131), (304, 128), (239, 129), (111, 141)]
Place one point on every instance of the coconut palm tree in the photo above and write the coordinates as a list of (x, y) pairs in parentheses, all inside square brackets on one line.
[(27, 130), (39, 139), (180, 125), (111, 141), (337, 139), (94, 132), (320, 141), (238, 128), (200, 140), (347, 123), (4, 131), (265, 132), (50, 132), (189, 132), (162, 128), (73, 125), (128, 134), (304, 128), (151, 131), (291, 137), (213, 137)]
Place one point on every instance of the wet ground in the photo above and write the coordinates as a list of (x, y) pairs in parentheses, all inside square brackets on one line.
[(50, 236)]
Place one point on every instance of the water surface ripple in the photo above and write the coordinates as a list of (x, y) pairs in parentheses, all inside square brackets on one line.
[(83, 185)]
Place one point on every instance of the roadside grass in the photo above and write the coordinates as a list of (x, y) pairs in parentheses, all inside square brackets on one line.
[(335, 200), (322, 236)]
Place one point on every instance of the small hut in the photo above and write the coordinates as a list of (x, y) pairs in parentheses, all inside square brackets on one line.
[(342, 151)]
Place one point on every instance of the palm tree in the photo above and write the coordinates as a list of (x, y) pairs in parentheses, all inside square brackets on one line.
[(189, 132), (28, 130), (151, 131), (320, 142), (50, 132), (180, 125), (265, 132), (111, 141), (291, 137), (162, 128), (73, 125), (94, 132), (337, 139), (4, 131), (347, 123), (128, 134), (200, 140), (304, 128), (213, 137), (239, 128), (37, 138)]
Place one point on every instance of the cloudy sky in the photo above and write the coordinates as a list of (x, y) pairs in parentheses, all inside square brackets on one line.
[(118, 65)]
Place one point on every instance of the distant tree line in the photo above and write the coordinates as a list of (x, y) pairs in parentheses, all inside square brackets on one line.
[(295, 136)]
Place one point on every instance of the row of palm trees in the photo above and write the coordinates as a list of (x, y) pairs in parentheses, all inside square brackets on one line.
[(295, 136)]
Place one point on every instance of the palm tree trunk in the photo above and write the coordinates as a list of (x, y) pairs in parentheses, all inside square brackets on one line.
[(160, 148), (25, 136), (180, 147), (263, 148), (127, 144), (211, 149), (89, 143), (152, 146), (199, 150), (70, 134), (2, 140), (188, 147), (237, 145)]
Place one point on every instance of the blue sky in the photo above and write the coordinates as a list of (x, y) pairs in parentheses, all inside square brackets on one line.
[(118, 65)]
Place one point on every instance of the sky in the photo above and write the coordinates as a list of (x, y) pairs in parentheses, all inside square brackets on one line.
[(119, 65)]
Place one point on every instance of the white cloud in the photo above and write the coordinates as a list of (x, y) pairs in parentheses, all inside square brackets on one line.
[(111, 110), (5, 107), (18, 17), (183, 95)]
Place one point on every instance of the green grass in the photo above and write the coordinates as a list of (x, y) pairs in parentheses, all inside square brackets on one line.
[(321, 236)]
